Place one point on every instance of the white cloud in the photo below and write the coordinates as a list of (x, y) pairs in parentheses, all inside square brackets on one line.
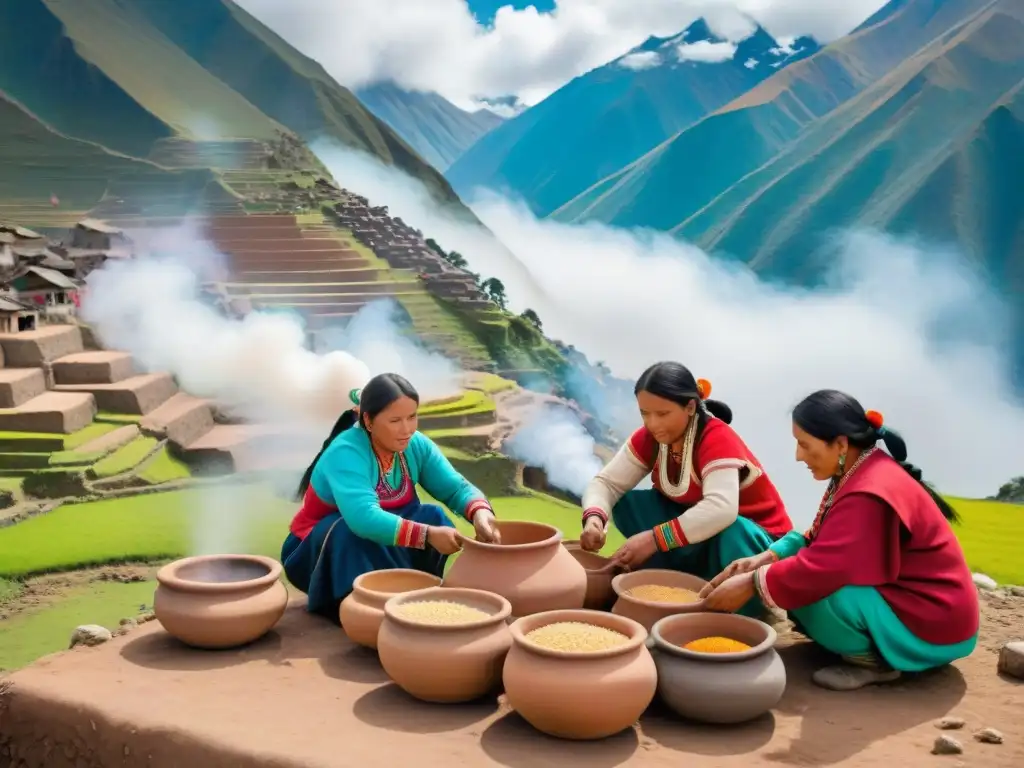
[(750, 63), (438, 46), (706, 51), (763, 347), (640, 60)]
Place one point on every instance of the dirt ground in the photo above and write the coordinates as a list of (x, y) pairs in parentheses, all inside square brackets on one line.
[(41, 591), (305, 696)]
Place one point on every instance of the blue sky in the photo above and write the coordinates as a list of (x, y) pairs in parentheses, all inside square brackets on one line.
[(484, 10)]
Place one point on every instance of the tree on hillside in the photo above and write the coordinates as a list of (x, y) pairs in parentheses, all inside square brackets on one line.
[(1012, 491), (456, 260), (531, 317), (495, 290)]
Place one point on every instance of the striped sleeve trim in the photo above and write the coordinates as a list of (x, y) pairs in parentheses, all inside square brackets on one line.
[(670, 535), (761, 585), (595, 512), (475, 506), (412, 535)]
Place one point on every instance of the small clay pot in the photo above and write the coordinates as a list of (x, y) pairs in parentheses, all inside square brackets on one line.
[(717, 687), (446, 663), (580, 695), (599, 579), (220, 601), (362, 612), (645, 611), (530, 568)]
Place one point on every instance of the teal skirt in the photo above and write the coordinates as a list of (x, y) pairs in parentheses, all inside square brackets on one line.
[(857, 624), (640, 511)]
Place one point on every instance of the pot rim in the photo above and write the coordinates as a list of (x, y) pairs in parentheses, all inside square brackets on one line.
[(577, 553), (635, 630), (168, 575), (676, 650), (449, 594), (554, 538), (694, 607), (383, 597)]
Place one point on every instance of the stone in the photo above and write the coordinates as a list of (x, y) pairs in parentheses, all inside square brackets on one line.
[(951, 723), (1011, 659), (89, 635), (1016, 591), (983, 582), (989, 736), (947, 745)]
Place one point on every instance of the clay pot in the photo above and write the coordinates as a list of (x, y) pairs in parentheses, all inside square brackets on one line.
[(599, 579), (220, 601), (530, 569), (446, 663), (579, 695), (362, 612), (717, 687), (571, 544), (645, 611)]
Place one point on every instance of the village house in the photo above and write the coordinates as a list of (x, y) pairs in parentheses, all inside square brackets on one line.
[(16, 317), (53, 294), (95, 235), (21, 237)]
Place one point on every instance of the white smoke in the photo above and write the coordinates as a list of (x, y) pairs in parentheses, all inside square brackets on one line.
[(632, 298), (374, 337), (554, 439)]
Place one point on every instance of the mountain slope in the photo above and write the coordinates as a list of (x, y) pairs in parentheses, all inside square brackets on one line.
[(194, 69), (721, 149), (601, 121), (433, 126)]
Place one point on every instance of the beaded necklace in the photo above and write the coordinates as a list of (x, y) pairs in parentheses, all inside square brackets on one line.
[(834, 486)]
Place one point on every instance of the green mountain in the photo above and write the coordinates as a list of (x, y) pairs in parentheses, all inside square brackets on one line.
[(162, 81), (927, 147), (609, 117), (433, 126)]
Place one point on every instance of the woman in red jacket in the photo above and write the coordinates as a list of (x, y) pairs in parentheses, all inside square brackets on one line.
[(879, 578)]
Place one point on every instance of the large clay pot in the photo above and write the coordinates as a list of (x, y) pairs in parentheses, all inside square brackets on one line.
[(362, 612), (645, 611), (599, 579), (579, 695), (446, 663), (220, 601), (717, 687), (530, 569)]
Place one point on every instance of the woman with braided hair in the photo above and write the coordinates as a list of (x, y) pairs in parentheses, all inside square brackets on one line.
[(879, 578), (360, 511), (712, 502)]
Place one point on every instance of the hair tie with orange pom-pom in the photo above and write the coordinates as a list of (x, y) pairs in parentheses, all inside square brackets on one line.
[(703, 388), (875, 420)]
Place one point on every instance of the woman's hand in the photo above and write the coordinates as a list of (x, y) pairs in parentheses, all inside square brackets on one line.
[(732, 594), (593, 537), (737, 567), (637, 550), (486, 527), (445, 540)]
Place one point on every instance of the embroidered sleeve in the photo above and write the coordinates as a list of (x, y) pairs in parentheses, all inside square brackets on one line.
[(721, 448), (442, 481), (346, 475), (858, 545), (618, 476), (715, 512)]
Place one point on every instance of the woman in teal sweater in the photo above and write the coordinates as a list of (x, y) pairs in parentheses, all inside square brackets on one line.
[(360, 511)]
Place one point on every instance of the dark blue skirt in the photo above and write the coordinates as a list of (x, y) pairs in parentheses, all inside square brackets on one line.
[(331, 557)]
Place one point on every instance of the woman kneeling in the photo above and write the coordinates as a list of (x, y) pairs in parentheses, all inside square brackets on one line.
[(712, 501), (879, 579), (360, 511)]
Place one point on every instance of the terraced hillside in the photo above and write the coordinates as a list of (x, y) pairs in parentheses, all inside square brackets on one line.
[(188, 84)]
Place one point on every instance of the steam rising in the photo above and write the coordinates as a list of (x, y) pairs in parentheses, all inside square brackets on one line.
[(880, 330), (554, 440)]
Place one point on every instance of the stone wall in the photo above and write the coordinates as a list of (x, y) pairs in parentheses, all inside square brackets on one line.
[(404, 247)]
